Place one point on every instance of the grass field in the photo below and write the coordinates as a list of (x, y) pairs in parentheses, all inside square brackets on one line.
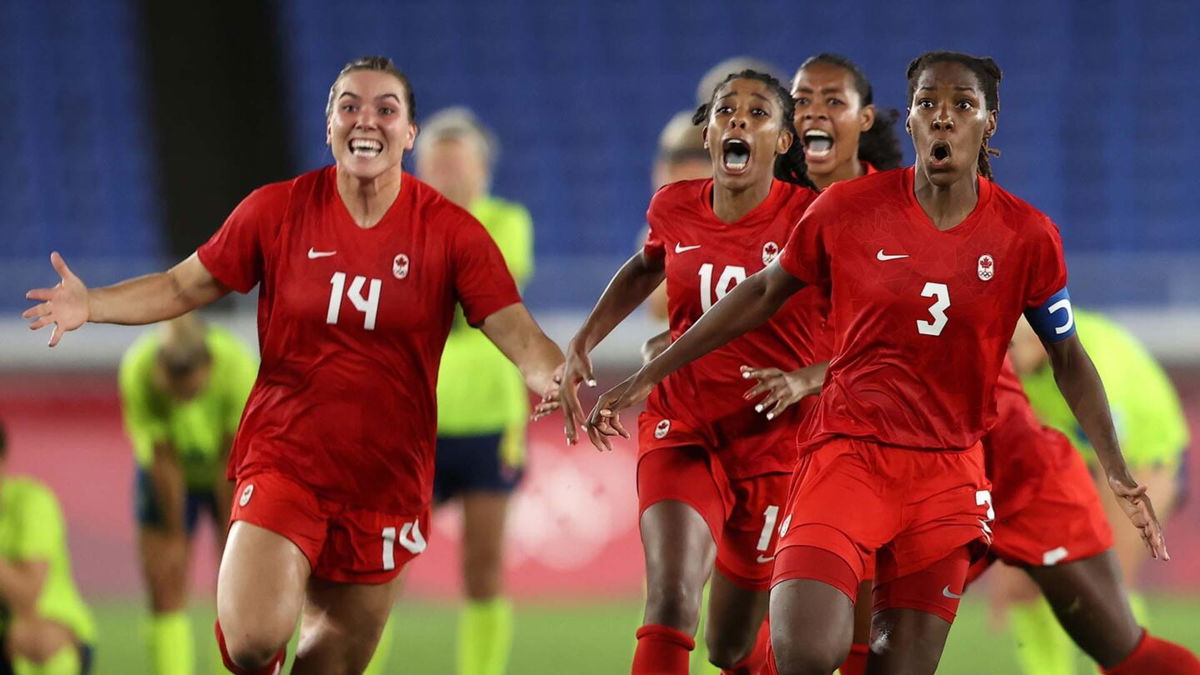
[(586, 639)]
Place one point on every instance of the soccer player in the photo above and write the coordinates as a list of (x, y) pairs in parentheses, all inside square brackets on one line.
[(183, 388), (711, 474), (928, 269), (1152, 431), (359, 267), (482, 404), (45, 629)]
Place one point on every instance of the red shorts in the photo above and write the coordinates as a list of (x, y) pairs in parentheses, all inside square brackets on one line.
[(742, 514), (915, 508), (342, 543), (1063, 523)]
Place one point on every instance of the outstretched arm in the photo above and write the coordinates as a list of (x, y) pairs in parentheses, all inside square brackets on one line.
[(154, 297), (1081, 387), (743, 309), (513, 330)]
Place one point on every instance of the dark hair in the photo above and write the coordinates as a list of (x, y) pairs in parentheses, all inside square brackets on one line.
[(985, 70), (790, 167), (378, 63), (879, 146)]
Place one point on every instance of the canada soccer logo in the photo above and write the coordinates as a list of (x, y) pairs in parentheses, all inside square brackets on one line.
[(770, 250), (400, 266), (661, 429), (987, 267)]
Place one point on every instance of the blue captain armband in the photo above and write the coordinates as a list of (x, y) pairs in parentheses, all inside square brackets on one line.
[(1054, 320)]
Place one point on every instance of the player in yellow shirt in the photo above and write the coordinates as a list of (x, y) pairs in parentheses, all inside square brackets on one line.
[(45, 627), (482, 404), (183, 386)]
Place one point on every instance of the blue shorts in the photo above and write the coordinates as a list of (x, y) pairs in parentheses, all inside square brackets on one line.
[(148, 513), (472, 464)]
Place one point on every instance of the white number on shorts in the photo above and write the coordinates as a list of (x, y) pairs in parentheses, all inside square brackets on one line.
[(731, 276), (769, 518), (985, 497), (937, 309), (410, 538), (369, 305)]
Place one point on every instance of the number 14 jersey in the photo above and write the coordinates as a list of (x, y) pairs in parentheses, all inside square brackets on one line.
[(705, 258), (351, 325), (921, 317)]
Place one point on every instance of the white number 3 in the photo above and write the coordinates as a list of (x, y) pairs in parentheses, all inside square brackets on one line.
[(937, 310)]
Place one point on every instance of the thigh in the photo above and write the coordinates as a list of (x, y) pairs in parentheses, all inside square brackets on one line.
[(341, 626), (735, 613), (484, 516), (1089, 600), (746, 552), (260, 585)]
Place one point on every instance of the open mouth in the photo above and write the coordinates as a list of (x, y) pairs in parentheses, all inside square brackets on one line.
[(817, 144), (940, 153), (365, 147), (735, 154)]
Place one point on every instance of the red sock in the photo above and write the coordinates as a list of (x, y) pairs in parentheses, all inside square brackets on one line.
[(273, 668), (1157, 656), (662, 650), (856, 661), (755, 661)]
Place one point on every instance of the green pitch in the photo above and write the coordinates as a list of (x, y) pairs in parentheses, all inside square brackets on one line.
[(584, 639)]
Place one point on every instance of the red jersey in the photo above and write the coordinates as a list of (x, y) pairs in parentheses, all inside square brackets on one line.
[(351, 326), (705, 258), (921, 317), (1019, 452)]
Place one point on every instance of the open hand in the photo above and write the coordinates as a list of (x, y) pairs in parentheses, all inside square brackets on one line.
[(605, 420), (1135, 502), (65, 305), (782, 389)]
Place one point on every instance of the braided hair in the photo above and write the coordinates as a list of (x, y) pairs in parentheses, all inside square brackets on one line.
[(790, 167), (985, 70), (879, 146)]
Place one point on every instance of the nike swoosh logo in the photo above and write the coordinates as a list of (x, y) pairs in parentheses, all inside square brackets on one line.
[(946, 592), (883, 256), (314, 253), (684, 249), (765, 558)]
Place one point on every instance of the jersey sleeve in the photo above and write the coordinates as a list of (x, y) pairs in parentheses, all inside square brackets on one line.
[(143, 425), (1048, 275), (482, 282), (652, 244), (42, 532), (806, 254), (234, 255)]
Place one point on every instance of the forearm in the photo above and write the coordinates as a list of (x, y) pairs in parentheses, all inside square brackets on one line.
[(21, 585), (745, 308), (629, 288), (1081, 387), (155, 297)]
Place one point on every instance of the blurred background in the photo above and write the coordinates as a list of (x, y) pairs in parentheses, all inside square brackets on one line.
[(133, 128)]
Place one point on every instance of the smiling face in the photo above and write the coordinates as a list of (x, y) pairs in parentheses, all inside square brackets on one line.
[(369, 127), (948, 120), (830, 118), (745, 131)]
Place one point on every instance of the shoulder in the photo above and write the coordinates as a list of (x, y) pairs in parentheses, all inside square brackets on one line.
[(880, 186), (431, 207), (685, 194), (794, 199), (1019, 215), (276, 196)]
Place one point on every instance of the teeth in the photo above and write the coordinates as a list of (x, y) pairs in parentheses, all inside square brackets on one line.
[(737, 154), (363, 147), (817, 143)]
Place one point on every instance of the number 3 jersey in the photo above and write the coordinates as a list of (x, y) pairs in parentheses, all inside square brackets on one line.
[(351, 325), (921, 317), (705, 258)]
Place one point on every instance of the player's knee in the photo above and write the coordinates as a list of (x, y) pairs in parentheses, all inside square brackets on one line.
[(810, 654), (725, 654), (252, 650), (673, 604)]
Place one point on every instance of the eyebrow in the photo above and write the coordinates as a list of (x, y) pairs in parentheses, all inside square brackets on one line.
[(389, 95), (754, 94), (957, 87)]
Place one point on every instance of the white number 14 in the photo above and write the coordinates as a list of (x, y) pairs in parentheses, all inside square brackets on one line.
[(369, 305)]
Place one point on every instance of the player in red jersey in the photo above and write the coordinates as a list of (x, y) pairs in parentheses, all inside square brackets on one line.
[(1050, 523), (359, 267), (928, 269), (712, 475)]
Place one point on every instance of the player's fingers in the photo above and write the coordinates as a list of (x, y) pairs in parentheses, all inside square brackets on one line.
[(56, 335), (749, 372), (41, 323), (780, 405), (60, 265), (757, 390), (41, 309), (599, 441), (615, 422), (40, 294), (771, 397)]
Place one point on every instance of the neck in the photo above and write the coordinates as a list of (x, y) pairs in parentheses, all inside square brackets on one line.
[(946, 205), (368, 200), (844, 171), (731, 205)]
